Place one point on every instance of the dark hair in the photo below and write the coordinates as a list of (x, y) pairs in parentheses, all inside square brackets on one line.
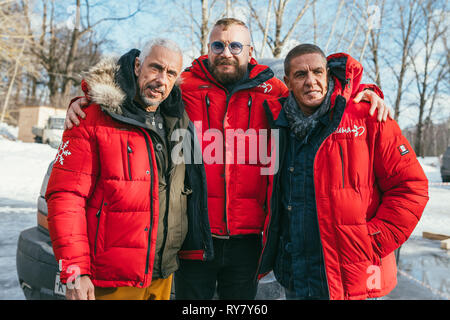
[(226, 22), (300, 50)]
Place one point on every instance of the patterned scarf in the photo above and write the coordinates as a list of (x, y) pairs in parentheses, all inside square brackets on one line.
[(298, 122)]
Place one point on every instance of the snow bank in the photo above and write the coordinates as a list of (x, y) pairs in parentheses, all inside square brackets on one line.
[(436, 216), (8, 132), (432, 168), (22, 169)]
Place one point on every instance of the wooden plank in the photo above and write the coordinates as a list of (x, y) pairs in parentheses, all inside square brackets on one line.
[(434, 236), (445, 244)]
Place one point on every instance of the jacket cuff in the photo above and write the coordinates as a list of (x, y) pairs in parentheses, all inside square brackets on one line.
[(70, 271), (373, 88), (192, 254)]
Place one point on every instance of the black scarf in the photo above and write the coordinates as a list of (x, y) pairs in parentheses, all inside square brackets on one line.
[(298, 122), (127, 80)]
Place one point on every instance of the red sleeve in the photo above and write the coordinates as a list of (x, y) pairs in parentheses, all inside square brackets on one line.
[(85, 88), (71, 183), (372, 87), (404, 189)]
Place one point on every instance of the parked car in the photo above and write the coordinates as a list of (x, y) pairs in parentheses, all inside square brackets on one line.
[(51, 133), (37, 269), (445, 165)]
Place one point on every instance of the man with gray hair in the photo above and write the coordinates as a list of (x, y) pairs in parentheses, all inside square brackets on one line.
[(118, 206)]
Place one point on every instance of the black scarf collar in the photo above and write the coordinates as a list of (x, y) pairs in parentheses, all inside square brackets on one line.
[(300, 124)]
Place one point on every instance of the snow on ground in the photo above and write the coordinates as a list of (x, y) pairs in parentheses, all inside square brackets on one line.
[(436, 216), (23, 166), (22, 169), (8, 132)]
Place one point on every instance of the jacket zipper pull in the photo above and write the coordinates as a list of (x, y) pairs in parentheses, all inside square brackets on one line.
[(129, 149), (207, 109), (249, 104)]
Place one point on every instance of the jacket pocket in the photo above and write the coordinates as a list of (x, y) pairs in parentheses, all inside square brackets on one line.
[(184, 222), (375, 248), (341, 152), (129, 152), (98, 215)]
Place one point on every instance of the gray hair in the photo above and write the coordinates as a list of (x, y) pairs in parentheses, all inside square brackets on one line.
[(161, 42)]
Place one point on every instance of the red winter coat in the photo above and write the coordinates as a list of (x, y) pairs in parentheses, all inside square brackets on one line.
[(370, 192), (237, 191), (103, 202)]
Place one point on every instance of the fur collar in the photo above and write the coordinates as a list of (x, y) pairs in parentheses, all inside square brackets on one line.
[(103, 88)]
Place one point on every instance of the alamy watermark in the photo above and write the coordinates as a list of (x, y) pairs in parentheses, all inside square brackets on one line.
[(233, 146)]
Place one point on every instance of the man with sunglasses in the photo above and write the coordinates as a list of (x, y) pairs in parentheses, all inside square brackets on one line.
[(223, 92)]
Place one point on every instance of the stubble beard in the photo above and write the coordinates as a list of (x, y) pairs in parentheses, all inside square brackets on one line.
[(147, 101)]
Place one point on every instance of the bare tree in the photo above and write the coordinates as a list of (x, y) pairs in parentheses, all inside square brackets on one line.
[(78, 32), (333, 28), (60, 47), (427, 60), (408, 17), (266, 28), (14, 44), (209, 11), (277, 41)]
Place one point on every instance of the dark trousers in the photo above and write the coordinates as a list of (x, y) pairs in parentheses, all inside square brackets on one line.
[(232, 272)]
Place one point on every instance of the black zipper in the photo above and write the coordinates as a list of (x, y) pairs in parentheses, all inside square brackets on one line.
[(342, 162), (129, 151), (151, 198), (207, 109), (224, 166), (98, 224)]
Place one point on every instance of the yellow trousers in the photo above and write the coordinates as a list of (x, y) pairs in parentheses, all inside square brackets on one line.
[(159, 289)]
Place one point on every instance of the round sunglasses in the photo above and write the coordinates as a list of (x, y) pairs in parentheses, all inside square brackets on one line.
[(235, 47)]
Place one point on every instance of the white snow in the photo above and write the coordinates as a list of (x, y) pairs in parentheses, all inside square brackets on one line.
[(8, 132), (436, 216)]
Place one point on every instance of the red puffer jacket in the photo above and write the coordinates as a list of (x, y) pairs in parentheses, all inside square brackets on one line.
[(370, 192), (237, 190), (102, 201)]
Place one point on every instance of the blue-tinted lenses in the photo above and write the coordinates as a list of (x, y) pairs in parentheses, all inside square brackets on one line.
[(235, 47)]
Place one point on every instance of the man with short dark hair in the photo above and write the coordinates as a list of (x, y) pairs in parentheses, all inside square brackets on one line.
[(349, 190)]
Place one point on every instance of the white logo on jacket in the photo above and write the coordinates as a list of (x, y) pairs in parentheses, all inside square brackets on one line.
[(358, 131), (266, 86), (62, 152)]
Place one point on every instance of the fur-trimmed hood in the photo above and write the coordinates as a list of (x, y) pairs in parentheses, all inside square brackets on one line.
[(102, 87)]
